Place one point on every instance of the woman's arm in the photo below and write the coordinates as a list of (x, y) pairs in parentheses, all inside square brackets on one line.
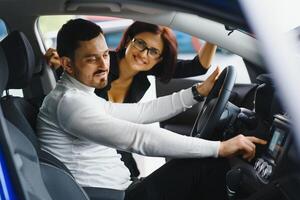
[(206, 54), (161, 108), (52, 58), (197, 66)]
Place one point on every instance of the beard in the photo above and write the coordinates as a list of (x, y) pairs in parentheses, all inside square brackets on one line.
[(102, 84)]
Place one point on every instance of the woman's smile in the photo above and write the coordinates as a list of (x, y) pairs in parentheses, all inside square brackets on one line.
[(139, 60)]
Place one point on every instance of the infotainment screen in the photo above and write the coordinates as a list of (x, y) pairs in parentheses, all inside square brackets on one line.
[(277, 142)]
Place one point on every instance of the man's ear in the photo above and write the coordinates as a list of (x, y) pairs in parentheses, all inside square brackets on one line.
[(67, 65)]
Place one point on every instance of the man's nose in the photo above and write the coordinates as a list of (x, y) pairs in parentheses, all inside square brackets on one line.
[(102, 62)]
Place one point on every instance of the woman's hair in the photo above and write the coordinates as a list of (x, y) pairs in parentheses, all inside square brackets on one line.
[(165, 68)]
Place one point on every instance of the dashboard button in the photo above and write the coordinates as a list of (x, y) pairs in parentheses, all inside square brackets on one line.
[(262, 167), (258, 163), (268, 172)]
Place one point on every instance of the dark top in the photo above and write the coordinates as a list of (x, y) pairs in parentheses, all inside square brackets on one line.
[(138, 88), (140, 83)]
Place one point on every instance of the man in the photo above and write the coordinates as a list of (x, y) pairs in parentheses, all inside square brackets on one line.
[(84, 131)]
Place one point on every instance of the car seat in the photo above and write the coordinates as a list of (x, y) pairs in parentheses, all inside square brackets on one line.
[(23, 167), (17, 110), (23, 115)]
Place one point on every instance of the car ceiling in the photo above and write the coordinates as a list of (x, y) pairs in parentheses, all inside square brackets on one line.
[(224, 11), (138, 11)]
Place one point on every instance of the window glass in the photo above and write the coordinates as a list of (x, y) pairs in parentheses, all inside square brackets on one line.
[(48, 27), (189, 46), (3, 30), (3, 33), (114, 28)]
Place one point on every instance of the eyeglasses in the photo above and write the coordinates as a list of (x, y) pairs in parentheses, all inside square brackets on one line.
[(141, 45)]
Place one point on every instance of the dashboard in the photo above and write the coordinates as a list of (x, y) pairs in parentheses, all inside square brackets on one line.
[(269, 167), (275, 160), (277, 148)]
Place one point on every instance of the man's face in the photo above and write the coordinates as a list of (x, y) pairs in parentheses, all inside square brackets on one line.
[(91, 62)]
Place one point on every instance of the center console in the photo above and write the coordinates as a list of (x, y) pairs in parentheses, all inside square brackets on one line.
[(266, 165)]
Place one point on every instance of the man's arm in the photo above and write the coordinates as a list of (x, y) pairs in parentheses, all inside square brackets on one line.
[(156, 110), (161, 108), (84, 119), (80, 118)]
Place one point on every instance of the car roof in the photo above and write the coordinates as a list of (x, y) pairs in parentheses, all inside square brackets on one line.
[(144, 11)]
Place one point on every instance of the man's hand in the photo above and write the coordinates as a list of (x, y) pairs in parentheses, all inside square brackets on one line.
[(240, 145), (205, 87), (52, 58)]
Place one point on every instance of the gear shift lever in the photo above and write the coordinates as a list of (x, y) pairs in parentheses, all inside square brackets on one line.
[(233, 182)]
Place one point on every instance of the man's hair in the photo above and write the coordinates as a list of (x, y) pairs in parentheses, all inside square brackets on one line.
[(74, 31)]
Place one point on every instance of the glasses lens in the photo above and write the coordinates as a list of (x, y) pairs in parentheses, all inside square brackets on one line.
[(154, 52), (139, 44), (142, 45)]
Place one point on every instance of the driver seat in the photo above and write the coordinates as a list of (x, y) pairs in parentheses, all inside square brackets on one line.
[(25, 175), (19, 112)]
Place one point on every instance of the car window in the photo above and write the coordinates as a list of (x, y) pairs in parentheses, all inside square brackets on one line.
[(114, 28), (3, 30)]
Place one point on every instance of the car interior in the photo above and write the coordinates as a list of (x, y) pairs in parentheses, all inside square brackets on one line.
[(253, 109)]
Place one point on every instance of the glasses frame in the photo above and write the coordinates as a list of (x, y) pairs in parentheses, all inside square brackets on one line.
[(149, 49)]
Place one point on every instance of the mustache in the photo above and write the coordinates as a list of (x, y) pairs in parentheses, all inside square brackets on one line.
[(100, 71)]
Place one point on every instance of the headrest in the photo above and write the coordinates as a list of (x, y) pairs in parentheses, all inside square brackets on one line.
[(20, 59), (3, 71)]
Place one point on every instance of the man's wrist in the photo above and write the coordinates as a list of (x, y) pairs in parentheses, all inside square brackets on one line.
[(197, 95)]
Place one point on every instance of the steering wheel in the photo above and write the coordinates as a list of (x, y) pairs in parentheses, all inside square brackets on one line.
[(214, 105)]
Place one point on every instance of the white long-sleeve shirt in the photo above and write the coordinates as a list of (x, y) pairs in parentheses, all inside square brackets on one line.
[(84, 131)]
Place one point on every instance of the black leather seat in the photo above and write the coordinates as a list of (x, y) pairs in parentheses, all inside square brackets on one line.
[(17, 110), (27, 175), (23, 115)]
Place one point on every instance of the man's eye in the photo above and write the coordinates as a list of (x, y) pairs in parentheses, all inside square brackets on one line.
[(92, 59), (106, 55)]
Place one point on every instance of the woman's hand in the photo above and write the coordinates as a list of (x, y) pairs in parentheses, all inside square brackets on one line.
[(240, 145), (206, 54), (52, 58), (205, 87)]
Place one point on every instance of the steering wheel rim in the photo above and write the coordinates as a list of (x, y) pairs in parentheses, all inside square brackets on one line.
[(214, 105)]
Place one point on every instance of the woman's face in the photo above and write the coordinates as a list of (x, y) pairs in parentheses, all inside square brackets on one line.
[(144, 51)]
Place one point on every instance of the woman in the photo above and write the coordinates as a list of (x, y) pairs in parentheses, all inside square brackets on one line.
[(145, 49)]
